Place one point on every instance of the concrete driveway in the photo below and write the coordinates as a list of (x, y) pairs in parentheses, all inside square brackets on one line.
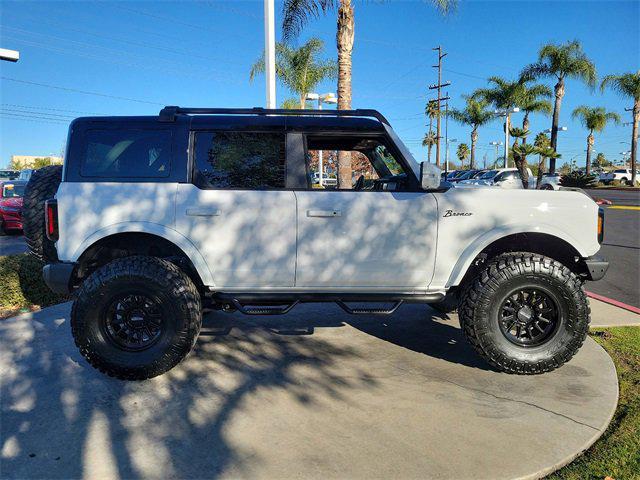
[(314, 394)]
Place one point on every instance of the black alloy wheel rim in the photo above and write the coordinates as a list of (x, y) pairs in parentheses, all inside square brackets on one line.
[(529, 317), (133, 322)]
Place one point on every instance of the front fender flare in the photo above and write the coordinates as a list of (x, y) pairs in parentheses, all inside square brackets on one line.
[(483, 241)]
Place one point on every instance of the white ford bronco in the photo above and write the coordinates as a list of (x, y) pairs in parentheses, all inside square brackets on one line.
[(153, 219)]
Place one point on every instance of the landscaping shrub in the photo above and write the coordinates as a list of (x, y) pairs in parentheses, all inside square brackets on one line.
[(577, 179), (21, 285)]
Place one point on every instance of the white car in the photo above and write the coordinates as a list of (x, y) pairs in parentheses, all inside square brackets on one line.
[(154, 219), (550, 181), (623, 175), (499, 177)]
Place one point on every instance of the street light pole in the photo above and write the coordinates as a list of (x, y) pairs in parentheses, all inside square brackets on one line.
[(497, 145), (270, 52), (507, 120)]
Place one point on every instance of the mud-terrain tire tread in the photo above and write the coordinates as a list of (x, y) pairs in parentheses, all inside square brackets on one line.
[(478, 292), (42, 185), (156, 270)]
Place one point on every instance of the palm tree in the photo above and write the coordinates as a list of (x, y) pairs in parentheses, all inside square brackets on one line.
[(543, 144), (561, 61), (628, 85), (475, 114), (429, 141), (533, 99), (544, 152), (463, 154), (593, 119), (290, 104), (299, 69), (297, 13), (520, 153)]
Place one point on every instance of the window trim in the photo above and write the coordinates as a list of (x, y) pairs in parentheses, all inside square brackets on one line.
[(413, 185), (193, 162)]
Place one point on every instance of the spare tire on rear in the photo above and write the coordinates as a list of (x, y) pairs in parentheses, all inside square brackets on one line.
[(42, 185)]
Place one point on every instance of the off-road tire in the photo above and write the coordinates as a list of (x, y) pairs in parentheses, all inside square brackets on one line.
[(42, 185), (177, 297), (481, 301)]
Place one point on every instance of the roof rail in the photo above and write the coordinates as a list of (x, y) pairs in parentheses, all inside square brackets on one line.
[(168, 114)]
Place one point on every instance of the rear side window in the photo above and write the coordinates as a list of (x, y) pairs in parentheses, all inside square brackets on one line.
[(243, 160), (126, 154)]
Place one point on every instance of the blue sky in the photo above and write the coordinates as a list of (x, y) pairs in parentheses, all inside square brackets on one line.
[(134, 57)]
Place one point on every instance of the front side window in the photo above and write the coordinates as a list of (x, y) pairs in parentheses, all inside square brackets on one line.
[(373, 167), (126, 154), (243, 160)]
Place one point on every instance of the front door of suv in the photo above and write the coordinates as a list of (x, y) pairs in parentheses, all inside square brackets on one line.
[(236, 211), (376, 233)]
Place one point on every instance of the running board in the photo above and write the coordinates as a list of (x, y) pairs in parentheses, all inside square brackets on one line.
[(369, 311), (282, 303)]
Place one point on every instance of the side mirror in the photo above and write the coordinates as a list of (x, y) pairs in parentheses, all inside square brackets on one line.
[(429, 176)]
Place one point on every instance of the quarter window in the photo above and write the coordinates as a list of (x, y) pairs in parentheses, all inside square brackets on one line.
[(127, 154), (245, 160)]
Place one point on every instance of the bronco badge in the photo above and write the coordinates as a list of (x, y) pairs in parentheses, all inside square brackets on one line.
[(451, 213)]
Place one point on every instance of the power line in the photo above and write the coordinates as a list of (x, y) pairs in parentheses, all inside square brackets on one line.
[(49, 108), (84, 92)]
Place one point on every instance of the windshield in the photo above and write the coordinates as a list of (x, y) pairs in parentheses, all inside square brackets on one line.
[(12, 191), (489, 174)]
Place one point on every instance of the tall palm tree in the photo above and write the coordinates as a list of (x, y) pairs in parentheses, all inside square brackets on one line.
[(475, 114), (463, 154), (561, 61), (533, 99), (543, 145), (297, 13), (429, 141), (300, 69), (593, 119), (628, 85)]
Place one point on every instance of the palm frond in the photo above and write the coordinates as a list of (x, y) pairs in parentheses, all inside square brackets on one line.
[(297, 13)]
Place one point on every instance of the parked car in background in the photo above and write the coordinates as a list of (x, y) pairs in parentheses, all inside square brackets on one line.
[(623, 175), (8, 174), (11, 192), (550, 181), (326, 179), (467, 175), (25, 174), (500, 177)]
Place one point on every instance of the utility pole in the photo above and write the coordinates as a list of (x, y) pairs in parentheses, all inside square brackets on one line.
[(634, 144), (270, 52), (438, 87)]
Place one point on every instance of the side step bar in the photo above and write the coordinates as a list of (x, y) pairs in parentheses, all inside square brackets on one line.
[(280, 304)]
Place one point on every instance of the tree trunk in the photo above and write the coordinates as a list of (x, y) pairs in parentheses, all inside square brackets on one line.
[(541, 162), (521, 165), (429, 152), (634, 142), (303, 98), (589, 147), (344, 42), (474, 139), (525, 126), (559, 93)]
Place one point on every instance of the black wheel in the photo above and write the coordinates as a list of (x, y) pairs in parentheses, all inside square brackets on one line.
[(525, 313), (136, 317), (42, 185)]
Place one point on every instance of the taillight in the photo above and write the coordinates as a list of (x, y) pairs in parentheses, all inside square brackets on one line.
[(51, 219), (600, 225)]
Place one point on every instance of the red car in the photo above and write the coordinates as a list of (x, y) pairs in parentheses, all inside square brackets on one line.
[(11, 192)]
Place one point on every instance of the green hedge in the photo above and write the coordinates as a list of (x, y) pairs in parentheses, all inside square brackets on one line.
[(21, 284)]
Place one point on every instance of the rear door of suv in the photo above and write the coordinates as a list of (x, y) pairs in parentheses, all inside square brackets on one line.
[(235, 208)]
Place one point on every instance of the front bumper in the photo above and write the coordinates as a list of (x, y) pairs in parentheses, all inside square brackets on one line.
[(596, 268), (57, 276)]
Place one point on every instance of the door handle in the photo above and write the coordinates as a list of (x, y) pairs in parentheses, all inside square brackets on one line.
[(203, 212), (324, 213)]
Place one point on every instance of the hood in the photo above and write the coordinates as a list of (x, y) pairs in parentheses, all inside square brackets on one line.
[(15, 202)]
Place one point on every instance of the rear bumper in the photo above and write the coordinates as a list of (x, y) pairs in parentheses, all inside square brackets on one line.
[(57, 276), (596, 268)]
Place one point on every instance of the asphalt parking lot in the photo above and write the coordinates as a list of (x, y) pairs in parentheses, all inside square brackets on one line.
[(621, 247), (12, 244)]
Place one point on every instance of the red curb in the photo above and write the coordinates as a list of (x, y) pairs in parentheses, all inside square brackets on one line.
[(603, 201), (613, 302)]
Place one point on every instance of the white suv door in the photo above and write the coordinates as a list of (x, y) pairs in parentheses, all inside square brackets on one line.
[(236, 211), (377, 238)]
